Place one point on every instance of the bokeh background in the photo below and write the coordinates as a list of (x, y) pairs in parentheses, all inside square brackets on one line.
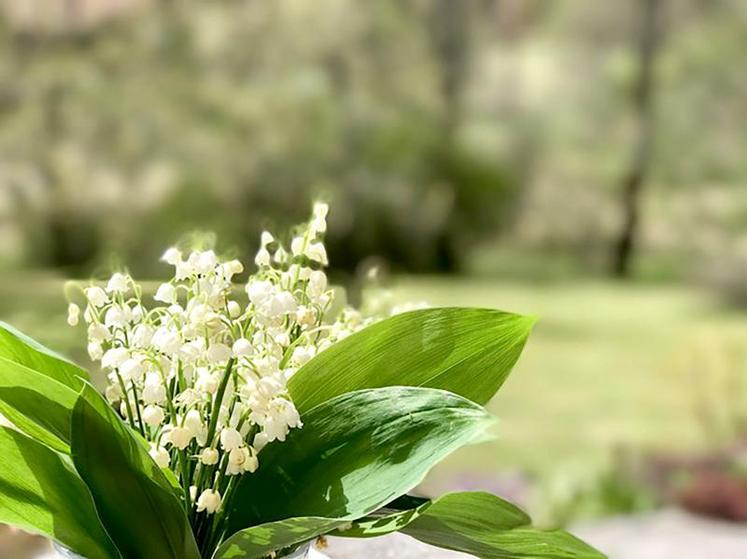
[(583, 161)]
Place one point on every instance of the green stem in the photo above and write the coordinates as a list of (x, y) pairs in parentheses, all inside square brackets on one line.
[(185, 480), (219, 400), (216, 531), (126, 399), (137, 409)]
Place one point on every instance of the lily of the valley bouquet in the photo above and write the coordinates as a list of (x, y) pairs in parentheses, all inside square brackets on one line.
[(244, 425)]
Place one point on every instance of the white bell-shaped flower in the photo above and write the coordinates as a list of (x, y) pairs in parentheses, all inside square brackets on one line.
[(180, 437), (172, 256), (230, 438), (118, 283), (160, 456), (242, 348), (166, 293), (317, 252), (114, 357), (153, 415), (209, 456), (218, 353), (96, 296), (209, 501), (193, 422)]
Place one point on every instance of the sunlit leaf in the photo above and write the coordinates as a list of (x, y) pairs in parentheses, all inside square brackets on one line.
[(355, 453), (260, 541), (133, 499), (469, 352), (16, 346), (471, 508), (41, 493), (477, 523), (36, 404)]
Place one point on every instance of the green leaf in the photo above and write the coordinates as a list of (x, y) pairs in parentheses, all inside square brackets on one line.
[(477, 523), (355, 453), (16, 346), (42, 494), (470, 508), (519, 543), (133, 498), (36, 404), (260, 541), (469, 352)]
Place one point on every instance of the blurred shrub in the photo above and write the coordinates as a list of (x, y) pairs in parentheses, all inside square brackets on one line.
[(124, 125), (618, 487), (220, 116)]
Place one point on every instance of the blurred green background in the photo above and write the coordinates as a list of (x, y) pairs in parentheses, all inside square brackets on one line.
[(583, 161)]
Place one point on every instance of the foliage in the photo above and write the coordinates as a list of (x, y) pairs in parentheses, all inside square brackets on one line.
[(409, 393), (333, 452), (189, 129)]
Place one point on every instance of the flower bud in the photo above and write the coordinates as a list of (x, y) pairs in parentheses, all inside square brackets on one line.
[(209, 456), (73, 314), (234, 309)]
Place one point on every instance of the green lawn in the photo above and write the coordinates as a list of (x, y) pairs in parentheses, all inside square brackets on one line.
[(608, 364)]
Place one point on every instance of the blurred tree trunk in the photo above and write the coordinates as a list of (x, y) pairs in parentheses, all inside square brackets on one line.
[(633, 181), (449, 34)]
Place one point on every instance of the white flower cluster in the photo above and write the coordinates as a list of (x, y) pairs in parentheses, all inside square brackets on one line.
[(202, 375)]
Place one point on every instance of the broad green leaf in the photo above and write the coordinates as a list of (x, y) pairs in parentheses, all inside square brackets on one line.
[(486, 543), (16, 346), (36, 404), (477, 523), (470, 508), (133, 499), (355, 453), (469, 352), (261, 541), (41, 493)]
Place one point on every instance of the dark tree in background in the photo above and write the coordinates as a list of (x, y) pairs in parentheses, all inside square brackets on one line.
[(633, 181)]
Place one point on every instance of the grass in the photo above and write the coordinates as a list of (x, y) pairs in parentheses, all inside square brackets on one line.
[(607, 365)]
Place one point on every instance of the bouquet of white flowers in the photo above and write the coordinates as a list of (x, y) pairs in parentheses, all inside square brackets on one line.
[(243, 426)]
